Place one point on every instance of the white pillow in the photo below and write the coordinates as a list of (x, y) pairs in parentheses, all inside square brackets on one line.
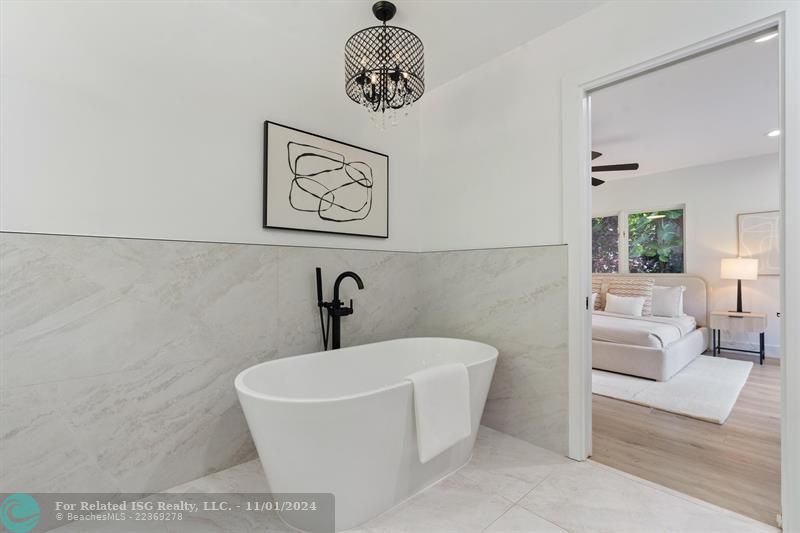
[(594, 301), (668, 301), (624, 305)]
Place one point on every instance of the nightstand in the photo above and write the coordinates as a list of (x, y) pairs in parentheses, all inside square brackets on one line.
[(737, 322)]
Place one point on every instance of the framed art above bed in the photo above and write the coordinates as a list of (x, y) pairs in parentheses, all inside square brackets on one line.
[(758, 237)]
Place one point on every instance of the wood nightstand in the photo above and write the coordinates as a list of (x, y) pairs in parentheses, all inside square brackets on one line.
[(737, 322)]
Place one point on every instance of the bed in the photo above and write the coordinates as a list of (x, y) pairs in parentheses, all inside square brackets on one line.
[(652, 347)]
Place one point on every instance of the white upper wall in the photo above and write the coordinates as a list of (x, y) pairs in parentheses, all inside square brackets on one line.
[(491, 156), (142, 119), (712, 196), (123, 119)]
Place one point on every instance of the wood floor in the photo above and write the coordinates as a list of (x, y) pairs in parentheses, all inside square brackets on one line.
[(736, 465)]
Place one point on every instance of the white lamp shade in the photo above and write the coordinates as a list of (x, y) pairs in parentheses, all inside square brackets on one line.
[(739, 268)]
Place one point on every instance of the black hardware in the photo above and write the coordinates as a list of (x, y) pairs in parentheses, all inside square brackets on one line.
[(336, 309), (384, 11), (320, 304)]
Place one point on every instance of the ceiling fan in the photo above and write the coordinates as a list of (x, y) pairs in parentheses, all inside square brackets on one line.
[(609, 168)]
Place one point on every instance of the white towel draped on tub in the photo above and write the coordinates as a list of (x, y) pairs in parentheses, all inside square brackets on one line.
[(441, 408)]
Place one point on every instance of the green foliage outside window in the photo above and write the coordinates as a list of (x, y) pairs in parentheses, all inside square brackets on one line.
[(655, 241), (605, 244)]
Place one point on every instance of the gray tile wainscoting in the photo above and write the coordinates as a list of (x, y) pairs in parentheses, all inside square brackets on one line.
[(117, 356), (516, 300)]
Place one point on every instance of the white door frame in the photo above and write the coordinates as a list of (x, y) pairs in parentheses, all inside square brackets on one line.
[(576, 166)]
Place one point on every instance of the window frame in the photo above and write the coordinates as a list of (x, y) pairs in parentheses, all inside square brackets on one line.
[(623, 240)]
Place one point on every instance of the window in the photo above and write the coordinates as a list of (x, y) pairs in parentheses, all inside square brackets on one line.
[(655, 241), (651, 242), (605, 244)]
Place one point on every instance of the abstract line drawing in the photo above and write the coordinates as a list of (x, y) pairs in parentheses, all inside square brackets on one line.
[(325, 183), (759, 237), (316, 183)]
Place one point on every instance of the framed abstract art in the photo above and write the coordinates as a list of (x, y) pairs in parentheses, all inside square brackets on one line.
[(759, 238), (314, 183)]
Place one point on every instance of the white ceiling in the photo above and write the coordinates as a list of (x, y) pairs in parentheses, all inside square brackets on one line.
[(712, 108), (458, 36)]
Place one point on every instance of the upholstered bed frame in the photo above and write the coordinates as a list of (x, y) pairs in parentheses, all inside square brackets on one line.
[(660, 364)]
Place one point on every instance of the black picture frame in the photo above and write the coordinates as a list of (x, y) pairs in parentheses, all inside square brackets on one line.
[(265, 211)]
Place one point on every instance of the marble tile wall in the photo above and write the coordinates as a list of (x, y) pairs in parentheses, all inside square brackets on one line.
[(516, 300), (117, 356)]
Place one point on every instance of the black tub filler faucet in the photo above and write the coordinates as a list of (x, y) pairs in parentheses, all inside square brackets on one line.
[(336, 309)]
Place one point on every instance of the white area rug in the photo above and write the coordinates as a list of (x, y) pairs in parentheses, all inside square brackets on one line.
[(706, 389)]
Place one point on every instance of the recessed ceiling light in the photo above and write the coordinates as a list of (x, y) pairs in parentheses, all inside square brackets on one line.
[(767, 37), (774, 133)]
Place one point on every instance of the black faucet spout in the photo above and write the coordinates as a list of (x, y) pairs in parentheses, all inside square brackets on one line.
[(336, 308), (342, 277)]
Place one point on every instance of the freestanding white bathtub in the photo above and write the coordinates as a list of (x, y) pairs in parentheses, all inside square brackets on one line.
[(343, 421)]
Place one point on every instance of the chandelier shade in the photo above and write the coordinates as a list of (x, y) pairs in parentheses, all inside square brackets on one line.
[(384, 66)]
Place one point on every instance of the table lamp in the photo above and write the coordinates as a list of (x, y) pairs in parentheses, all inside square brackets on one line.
[(739, 268)]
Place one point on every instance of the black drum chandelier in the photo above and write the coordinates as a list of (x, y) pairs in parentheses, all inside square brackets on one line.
[(384, 67)]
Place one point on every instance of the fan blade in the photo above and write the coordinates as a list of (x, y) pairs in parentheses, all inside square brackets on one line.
[(595, 155), (596, 182), (612, 168)]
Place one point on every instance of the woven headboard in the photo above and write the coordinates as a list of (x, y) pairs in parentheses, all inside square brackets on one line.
[(695, 299)]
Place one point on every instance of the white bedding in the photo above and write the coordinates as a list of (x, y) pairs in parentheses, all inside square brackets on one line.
[(649, 331)]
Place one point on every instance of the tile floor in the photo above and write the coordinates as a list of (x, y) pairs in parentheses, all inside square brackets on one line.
[(508, 486)]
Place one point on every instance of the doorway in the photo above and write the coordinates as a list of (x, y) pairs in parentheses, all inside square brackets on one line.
[(577, 135)]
